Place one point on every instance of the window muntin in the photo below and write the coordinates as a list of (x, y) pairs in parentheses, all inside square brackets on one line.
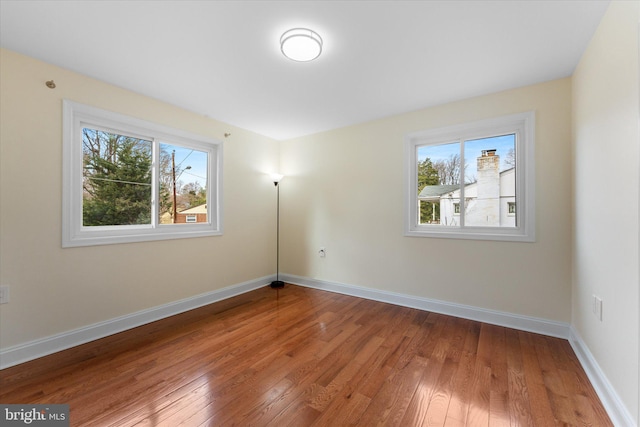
[(115, 173), (494, 159)]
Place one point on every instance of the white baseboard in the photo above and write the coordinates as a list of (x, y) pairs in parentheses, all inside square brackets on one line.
[(617, 411), (510, 320), (34, 349)]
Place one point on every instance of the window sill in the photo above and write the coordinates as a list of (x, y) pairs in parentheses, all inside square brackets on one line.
[(473, 233), (112, 238)]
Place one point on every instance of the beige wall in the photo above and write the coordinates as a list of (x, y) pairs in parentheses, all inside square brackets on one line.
[(606, 192), (54, 290), (344, 190)]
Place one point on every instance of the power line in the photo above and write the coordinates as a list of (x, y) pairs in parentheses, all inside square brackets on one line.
[(118, 180), (193, 174), (186, 157)]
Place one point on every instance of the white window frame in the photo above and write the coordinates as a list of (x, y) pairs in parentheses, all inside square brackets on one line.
[(75, 117), (523, 125)]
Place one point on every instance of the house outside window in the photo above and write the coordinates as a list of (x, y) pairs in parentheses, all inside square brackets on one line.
[(473, 181), (192, 215), (125, 180)]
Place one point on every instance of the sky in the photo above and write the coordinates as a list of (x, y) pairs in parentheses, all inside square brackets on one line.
[(473, 150), (190, 157)]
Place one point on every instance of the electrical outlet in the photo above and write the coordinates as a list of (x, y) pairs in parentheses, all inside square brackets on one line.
[(322, 253), (4, 294), (599, 308), (596, 306)]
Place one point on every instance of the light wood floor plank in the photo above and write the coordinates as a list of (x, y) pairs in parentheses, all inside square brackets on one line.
[(499, 394)]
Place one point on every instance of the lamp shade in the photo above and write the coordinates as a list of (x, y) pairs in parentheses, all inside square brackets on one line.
[(301, 44), (276, 177)]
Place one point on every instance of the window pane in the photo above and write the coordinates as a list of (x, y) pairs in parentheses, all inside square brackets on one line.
[(490, 182), (492, 198), (116, 179), (438, 183), (183, 185)]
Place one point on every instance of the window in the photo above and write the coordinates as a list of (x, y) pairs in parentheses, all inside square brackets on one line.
[(127, 180), (472, 181)]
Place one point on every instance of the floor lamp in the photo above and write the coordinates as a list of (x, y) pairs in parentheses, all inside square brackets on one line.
[(276, 284)]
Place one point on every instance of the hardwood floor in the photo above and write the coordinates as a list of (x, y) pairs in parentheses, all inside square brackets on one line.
[(303, 357)]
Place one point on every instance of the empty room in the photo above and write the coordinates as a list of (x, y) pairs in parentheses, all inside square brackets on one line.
[(320, 213)]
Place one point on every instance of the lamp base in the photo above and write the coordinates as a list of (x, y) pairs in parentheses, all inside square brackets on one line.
[(276, 284)]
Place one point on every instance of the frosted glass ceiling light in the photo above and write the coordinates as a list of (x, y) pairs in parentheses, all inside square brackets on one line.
[(301, 44)]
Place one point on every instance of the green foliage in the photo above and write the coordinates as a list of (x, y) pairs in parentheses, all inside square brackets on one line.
[(192, 195), (427, 175), (117, 179)]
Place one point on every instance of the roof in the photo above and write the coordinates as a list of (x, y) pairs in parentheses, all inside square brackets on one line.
[(200, 209), (435, 191)]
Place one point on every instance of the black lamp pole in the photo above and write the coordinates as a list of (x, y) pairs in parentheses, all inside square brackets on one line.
[(277, 283)]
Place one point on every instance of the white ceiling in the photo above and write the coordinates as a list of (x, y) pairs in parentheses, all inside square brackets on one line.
[(222, 58)]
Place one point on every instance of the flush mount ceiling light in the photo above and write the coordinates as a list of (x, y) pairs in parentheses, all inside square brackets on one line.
[(301, 44)]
